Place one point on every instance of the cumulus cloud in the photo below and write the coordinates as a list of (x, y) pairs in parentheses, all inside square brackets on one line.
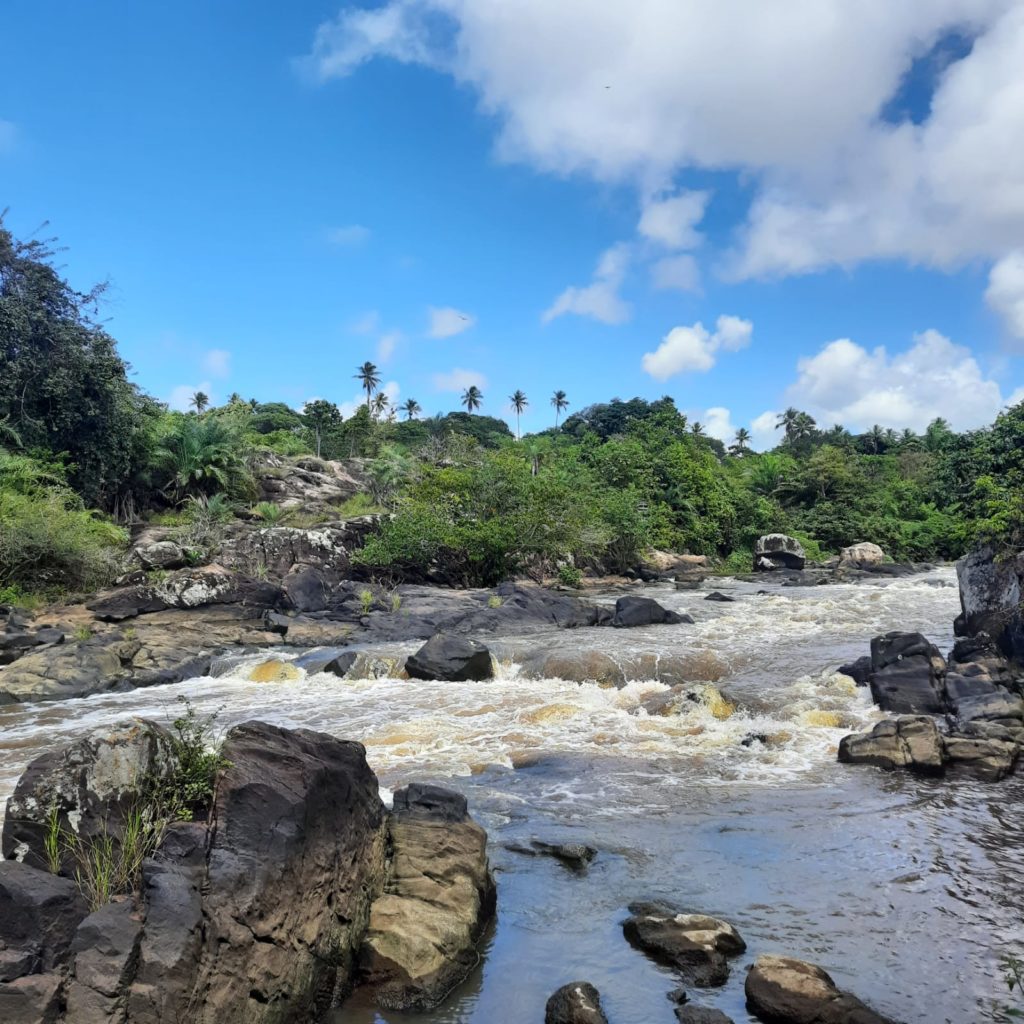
[(764, 431), (458, 380), (717, 422), (1005, 293), (349, 408), (180, 398), (694, 349), (672, 221), (217, 362), (846, 383), (349, 235), (447, 321), (599, 300), (678, 273), (636, 93), (386, 345)]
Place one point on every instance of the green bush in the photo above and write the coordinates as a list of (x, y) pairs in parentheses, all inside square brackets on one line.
[(570, 576)]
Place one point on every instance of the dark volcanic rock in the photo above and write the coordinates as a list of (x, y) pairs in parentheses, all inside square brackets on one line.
[(701, 1015), (859, 671), (907, 674), (991, 595), (696, 945), (781, 990), (335, 660), (576, 1003), (717, 596), (573, 855), (644, 611), (450, 658)]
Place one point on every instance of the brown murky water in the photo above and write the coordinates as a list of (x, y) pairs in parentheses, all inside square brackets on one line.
[(907, 890)]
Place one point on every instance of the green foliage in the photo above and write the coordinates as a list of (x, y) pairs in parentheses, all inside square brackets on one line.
[(366, 600), (570, 576), (360, 504), (197, 762), (269, 513), (201, 456)]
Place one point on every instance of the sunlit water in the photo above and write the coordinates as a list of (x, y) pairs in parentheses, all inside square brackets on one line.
[(907, 890)]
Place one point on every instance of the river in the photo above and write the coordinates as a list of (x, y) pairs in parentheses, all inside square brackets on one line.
[(907, 890)]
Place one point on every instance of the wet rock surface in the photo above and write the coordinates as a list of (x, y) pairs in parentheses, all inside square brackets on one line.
[(781, 990), (701, 1015), (576, 856), (907, 673), (450, 659), (991, 595), (576, 1003), (631, 612)]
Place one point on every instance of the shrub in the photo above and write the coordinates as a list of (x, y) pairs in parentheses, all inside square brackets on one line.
[(269, 513), (570, 576)]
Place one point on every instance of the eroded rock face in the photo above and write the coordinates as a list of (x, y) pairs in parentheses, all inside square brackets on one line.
[(310, 484), (631, 612), (576, 1003), (907, 674), (781, 990), (909, 742), (90, 785), (991, 592), (696, 945), (860, 555), (438, 899), (778, 551), (451, 659)]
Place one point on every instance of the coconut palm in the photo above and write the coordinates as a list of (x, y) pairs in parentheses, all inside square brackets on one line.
[(411, 408), (380, 404), (741, 444), (199, 401), (369, 377), (200, 456), (697, 428), (472, 397), (519, 403), (787, 421), (561, 403), (875, 438)]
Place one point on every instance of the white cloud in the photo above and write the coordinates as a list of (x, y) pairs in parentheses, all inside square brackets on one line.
[(8, 135), (365, 323), (447, 321), (672, 221), (1016, 398), (386, 345), (679, 273), (350, 235), (349, 408), (600, 299), (763, 430), (644, 91), (217, 362), (694, 349), (458, 380), (845, 383), (1005, 293), (718, 423), (180, 398)]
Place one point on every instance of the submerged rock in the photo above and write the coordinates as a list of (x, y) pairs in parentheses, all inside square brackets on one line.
[(781, 990), (451, 659), (576, 1003), (631, 612), (573, 855), (778, 551), (701, 1015), (438, 899), (718, 596), (694, 944)]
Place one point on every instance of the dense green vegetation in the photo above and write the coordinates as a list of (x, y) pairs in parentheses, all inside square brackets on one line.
[(82, 450)]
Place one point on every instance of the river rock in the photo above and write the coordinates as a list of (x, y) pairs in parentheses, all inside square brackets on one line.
[(452, 659), (161, 554), (991, 592), (438, 899), (701, 1015), (576, 1003), (778, 551), (859, 671), (644, 611), (781, 990), (334, 660), (91, 785), (573, 855), (981, 686), (990, 759), (34, 999), (861, 555), (717, 596), (909, 742), (907, 674), (696, 945)]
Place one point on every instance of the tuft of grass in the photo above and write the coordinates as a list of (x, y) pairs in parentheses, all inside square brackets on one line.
[(269, 513), (494, 601), (358, 505), (52, 842), (396, 602), (366, 601), (82, 633)]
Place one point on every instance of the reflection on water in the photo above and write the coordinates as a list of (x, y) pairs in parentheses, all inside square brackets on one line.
[(907, 890)]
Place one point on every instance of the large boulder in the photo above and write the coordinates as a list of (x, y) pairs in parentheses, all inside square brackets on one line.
[(859, 555), (450, 658), (778, 551), (576, 1003), (310, 484), (981, 685), (696, 945), (438, 899), (989, 758), (690, 1014), (294, 860), (85, 789), (631, 612), (160, 554), (910, 742), (278, 550), (781, 990), (991, 595), (907, 674)]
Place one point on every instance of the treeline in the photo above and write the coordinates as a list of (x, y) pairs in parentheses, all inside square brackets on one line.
[(83, 452)]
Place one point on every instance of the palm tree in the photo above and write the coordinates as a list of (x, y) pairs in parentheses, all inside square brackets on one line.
[(200, 456), (411, 408), (369, 377), (876, 438), (199, 401), (697, 428), (519, 403), (8, 435), (472, 397), (742, 442), (380, 404), (561, 403), (787, 421)]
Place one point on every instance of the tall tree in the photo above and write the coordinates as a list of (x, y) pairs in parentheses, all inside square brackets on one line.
[(741, 443), (411, 408), (380, 404), (472, 398), (321, 416), (369, 378), (561, 403), (697, 428), (519, 403), (199, 401)]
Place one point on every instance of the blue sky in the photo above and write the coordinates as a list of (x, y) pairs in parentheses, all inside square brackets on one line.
[(629, 199)]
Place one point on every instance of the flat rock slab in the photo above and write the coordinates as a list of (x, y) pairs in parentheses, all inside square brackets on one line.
[(696, 945), (781, 990)]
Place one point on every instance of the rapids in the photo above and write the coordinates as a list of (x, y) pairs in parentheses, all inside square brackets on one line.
[(906, 890)]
